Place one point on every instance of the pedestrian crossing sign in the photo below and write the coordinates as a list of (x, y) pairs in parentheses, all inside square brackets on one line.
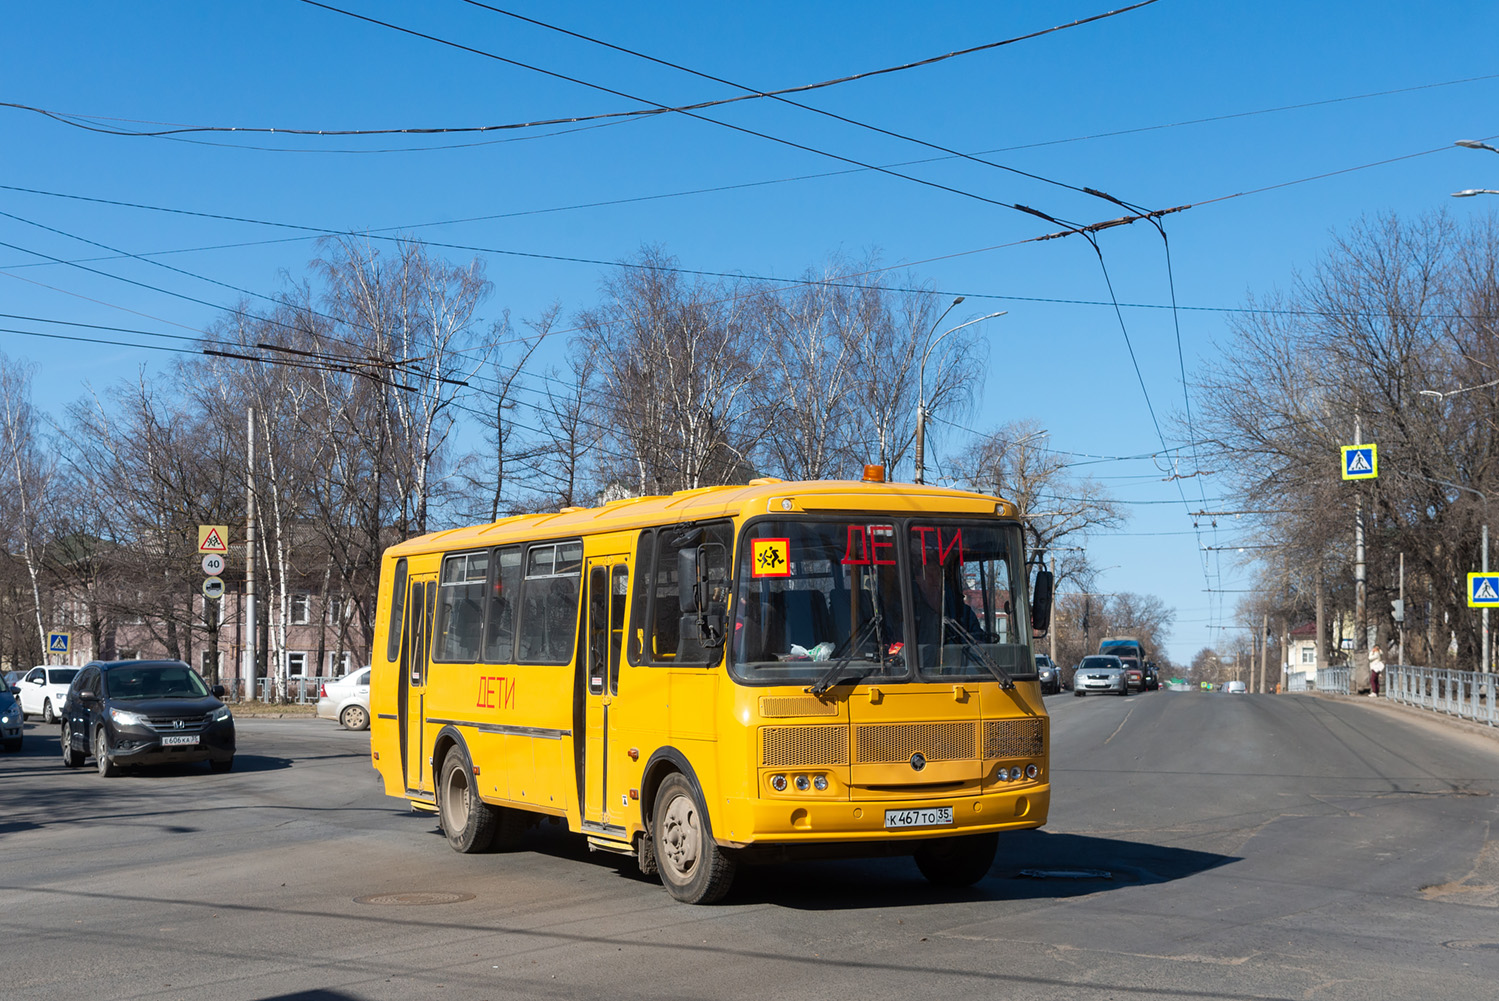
[(1483, 590), (1360, 462), (57, 643)]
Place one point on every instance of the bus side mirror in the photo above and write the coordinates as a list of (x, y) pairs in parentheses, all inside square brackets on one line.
[(1041, 602), (688, 568)]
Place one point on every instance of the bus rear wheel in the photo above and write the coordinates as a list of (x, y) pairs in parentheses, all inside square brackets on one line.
[(468, 822), (692, 867), (957, 862)]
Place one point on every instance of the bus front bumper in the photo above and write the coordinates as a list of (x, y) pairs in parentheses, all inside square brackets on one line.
[(813, 820)]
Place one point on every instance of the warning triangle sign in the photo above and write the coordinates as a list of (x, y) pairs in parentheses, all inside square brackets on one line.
[(1358, 462), (1485, 590), (213, 538)]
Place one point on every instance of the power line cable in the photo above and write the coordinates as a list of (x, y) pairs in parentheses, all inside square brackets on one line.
[(689, 114)]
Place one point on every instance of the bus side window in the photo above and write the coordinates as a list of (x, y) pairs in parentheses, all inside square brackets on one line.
[(499, 636), (640, 600), (618, 590), (549, 603), (397, 606), (460, 611)]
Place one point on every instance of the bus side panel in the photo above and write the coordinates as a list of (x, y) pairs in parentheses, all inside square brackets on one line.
[(385, 679)]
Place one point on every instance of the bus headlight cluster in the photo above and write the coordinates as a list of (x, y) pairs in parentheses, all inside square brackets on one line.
[(803, 783), (1015, 773)]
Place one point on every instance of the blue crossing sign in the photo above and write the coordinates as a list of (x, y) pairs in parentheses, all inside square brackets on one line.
[(57, 643), (1483, 590), (1360, 462)]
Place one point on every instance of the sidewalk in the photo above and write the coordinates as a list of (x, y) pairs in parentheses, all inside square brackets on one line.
[(1432, 715)]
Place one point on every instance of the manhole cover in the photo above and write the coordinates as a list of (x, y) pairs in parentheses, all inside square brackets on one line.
[(1066, 874), (1467, 945), (418, 898)]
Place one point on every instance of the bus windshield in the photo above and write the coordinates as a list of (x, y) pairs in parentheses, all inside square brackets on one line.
[(906, 599)]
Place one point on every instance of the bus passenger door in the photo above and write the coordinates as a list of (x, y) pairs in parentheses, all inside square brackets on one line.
[(601, 788), (411, 696)]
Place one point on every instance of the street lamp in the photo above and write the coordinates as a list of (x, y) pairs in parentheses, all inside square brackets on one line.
[(1470, 192), (1442, 395), (921, 381)]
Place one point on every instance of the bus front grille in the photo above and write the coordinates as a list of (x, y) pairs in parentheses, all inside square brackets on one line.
[(886, 743), (1014, 738), (796, 746)]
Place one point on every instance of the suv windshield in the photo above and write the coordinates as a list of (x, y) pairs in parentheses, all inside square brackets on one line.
[(899, 599), (155, 683)]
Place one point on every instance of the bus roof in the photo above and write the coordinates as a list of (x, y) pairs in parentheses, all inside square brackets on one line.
[(760, 496)]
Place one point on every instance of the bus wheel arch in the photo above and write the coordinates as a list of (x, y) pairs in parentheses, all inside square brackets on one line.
[(665, 761)]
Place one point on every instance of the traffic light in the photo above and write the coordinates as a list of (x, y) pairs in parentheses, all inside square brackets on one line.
[(1398, 606)]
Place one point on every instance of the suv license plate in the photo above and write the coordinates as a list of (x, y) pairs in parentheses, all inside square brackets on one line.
[(178, 741), (937, 816)]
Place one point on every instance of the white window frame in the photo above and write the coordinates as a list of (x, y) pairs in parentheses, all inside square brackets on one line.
[(1309, 655), (337, 668), (296, 662), (300, 611)]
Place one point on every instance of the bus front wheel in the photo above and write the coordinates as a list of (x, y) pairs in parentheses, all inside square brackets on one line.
[(957, 862), (693, 868), (468, 821)]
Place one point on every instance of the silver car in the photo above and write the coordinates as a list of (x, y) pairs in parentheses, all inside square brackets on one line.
[(347, 700), (1100, 673)]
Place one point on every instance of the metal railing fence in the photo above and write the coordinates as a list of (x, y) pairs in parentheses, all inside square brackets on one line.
[(1335, 680), (1465, 694), (1299, 681)]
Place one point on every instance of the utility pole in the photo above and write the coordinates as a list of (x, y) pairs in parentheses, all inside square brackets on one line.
[(1400, 649), (1264, 651), (250, 617), (1360, 611)]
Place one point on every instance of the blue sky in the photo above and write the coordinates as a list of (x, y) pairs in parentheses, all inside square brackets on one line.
[(1047, 105)]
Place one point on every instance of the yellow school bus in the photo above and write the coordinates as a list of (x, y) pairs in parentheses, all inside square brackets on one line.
[(723, 676)]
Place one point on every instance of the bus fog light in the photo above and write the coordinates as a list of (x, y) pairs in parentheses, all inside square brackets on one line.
[(803, 783), (778, 783), (820, 783), (1031, 771), (1015, 774)]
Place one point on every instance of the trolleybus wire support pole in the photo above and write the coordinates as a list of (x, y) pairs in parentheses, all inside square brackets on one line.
[(251, 646)]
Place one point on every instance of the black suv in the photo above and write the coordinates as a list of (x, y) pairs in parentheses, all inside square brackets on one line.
[(143, 712)]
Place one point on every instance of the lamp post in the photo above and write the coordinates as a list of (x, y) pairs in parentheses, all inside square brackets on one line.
[(921, 381)]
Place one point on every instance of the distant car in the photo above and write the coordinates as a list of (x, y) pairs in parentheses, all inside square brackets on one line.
[(11, 682), (1152, 677), (44, 689), (10, 722), (145, 712), (1049, 675), (1134, 673), (347, 700), (1101, 673), (1236, 688)]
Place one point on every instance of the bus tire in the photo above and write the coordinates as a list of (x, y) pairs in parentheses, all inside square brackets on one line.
[(957, 862), (468, 822), (692, 867)]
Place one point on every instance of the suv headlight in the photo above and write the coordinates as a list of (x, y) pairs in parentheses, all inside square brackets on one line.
[(221, 713), (123, 718)]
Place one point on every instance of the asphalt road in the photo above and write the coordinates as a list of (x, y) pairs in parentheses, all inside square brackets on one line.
[(1257, 846)]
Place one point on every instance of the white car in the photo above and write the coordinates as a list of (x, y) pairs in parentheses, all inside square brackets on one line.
[(44, 690), (1236, 688), (347, 700)]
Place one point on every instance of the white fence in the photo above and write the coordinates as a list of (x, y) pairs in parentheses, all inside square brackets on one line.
[(1335, 680), (1466, 694), (1299, 681)]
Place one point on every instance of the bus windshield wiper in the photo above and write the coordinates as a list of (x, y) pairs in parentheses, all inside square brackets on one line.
[(972, 646), (830, 677)]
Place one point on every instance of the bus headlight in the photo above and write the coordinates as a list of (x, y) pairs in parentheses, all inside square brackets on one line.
[(1015, 774), (1002, 775), (820, 783), (803, 783), (1031, 771), (778, 783)]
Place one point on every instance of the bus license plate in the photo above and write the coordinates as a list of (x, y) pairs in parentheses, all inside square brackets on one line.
[(937, 816), (178, 741)]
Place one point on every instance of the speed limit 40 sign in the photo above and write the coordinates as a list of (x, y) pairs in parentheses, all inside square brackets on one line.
[(213, 564)]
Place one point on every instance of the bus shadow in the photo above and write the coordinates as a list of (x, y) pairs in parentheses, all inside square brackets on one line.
[(1031, 865)]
